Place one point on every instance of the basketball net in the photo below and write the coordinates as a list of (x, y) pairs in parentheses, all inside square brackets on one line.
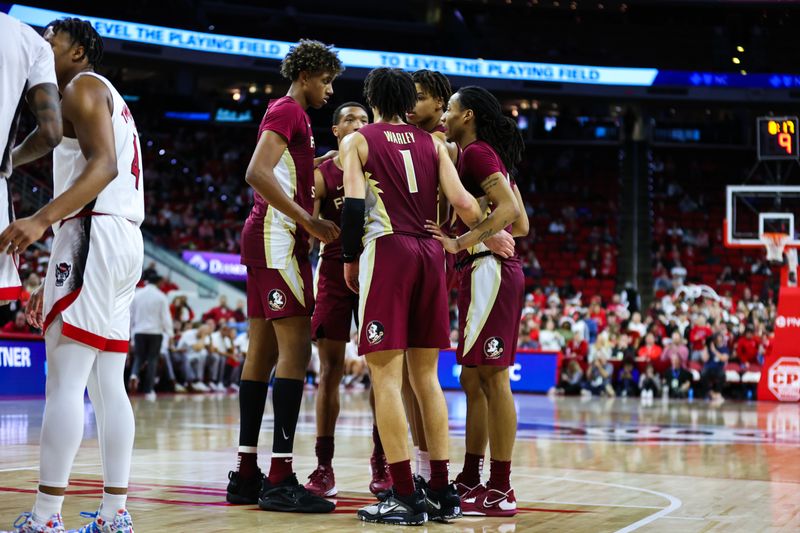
[(775, 243)]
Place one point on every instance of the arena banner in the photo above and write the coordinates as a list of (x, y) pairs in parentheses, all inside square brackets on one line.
[(533, 371), (227, 267), (269, 49), (780, 375), (23, 369)]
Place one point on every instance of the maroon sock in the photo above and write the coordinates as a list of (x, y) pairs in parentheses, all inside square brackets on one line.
[(473, 466), (401, 476), (247, 465), (376, 441), (439, 474), (279, 469), (500, 475), (324, 449)]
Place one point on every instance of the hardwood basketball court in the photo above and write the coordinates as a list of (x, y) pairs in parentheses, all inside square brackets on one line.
[(579, 465)]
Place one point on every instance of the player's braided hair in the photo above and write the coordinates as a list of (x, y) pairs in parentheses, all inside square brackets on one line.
[(492, 126), (337, 114), (310, 56), (82, 33), (435, 84), (391, 91)]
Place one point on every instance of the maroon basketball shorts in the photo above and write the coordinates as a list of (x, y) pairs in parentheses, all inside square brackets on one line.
[(490, 301), (336, 305), (280, 293), (403, 300)]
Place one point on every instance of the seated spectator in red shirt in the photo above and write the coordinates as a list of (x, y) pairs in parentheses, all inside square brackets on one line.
[(18, 325), (220, 313), (699, 336), (180, 310), (599, 315), (577, 348), (746, 348), (650, 351)]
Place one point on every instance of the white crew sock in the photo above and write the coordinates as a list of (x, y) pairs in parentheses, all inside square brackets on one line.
[(111, 504), (46, 505), (425, 465)]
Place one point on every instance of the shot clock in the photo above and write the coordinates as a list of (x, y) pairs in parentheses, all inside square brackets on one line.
[(777, 138)]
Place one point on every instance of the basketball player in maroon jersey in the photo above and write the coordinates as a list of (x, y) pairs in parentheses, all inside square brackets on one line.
[(334, 309), (433, 93), (392, 174), (490, 299), (280, 299)]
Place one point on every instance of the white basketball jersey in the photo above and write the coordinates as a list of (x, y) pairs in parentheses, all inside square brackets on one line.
[(124, 196)]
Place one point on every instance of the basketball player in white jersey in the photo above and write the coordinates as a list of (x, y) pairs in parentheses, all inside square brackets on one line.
[(95, 263), (26, 71)]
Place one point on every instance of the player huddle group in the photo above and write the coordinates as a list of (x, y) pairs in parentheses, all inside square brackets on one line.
[(425, 202)]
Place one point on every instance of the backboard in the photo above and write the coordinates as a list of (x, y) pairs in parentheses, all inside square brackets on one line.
[(753, 210)]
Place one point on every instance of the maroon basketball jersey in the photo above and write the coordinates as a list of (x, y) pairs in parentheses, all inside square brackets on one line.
[(331, 205), (477, 162), (402, 172), (270, 238)]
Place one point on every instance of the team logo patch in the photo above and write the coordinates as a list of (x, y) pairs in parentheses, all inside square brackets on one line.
[(375, 332), (276, 299), (493, 348), (63, 271)]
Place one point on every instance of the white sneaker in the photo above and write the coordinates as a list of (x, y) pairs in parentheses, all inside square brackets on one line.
[(234, 387), (150, 396), (179, 388), (200, 387), (26, 524), (219, 387)]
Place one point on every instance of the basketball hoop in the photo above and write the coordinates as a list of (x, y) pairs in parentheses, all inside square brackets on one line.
[(775, 242)]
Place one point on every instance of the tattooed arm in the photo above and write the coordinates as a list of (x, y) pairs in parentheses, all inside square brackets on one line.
[(43, 101)]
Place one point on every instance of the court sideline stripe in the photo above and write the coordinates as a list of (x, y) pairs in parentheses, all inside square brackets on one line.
[(674, 503)]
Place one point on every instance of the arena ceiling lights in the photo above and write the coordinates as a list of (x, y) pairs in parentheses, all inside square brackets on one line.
[(452, 66)]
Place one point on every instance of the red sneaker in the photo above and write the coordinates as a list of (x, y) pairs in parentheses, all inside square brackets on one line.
[(490, 502), (381, 478), (322, 483), (467, 492)]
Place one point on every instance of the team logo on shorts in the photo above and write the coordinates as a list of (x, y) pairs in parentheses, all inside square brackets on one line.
[(493, 348), (63, 271), (374, 332), (276, 299)]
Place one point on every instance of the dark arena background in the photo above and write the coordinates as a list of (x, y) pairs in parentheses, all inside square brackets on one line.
[(657, 377)]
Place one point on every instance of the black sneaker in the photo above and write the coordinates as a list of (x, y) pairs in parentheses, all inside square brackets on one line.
[(243, 491), (443, 505), (397, 510), (289, 496), (420, 483)]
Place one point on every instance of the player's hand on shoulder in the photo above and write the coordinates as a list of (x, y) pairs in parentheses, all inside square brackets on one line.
[(449, 244), (33, 309), (330, 154), (324, 230), (501, 243), (351, 276)]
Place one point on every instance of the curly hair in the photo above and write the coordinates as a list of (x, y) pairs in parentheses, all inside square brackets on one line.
[(83, 34), (310, 56), (492, 126), (435, 83), (391, 91)]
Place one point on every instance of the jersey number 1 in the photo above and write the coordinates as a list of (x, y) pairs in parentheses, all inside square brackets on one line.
[(411, 176)]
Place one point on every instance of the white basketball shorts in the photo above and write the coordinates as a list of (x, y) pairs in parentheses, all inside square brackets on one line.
[(95, 264)]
